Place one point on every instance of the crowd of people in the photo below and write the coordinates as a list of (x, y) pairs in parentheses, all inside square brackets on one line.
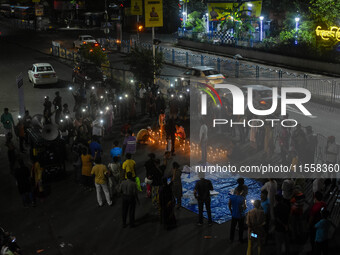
[(279, 215)]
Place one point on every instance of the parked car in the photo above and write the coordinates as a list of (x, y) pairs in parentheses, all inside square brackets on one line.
[(87, 74), (84, 39), (42, 73), (203, 74)]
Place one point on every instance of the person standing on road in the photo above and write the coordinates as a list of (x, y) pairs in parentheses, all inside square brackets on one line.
[(177, 184), (281, 223), (22, 176), (149, 167), (167, 204), (100, 172), (116, 151), (86, 167), (202, 194), (161, 123), (47, 110), (7, 121), (142, 92), (27, 123), (271, 187), (322, 232), (315, 215), (204, 141), (20, 133), (36, 176), (129, 166), (170, 134), (57, 107), (129, 144), (115, 176), (237, 206), (256, 220), (95, 148), (130, 196), (10, 151)]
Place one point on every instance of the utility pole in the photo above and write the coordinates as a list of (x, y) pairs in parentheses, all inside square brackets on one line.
[(154, 55)]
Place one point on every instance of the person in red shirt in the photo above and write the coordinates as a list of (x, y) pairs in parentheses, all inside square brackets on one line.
[(315, 215)]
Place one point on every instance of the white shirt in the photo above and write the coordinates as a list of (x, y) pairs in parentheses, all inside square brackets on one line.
[(204, 133), (97, 128), (142, 92), (271, 188)]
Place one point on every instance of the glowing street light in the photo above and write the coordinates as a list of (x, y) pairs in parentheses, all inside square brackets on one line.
[(297, 19), (261, 28), (250, 5), (207, 17)]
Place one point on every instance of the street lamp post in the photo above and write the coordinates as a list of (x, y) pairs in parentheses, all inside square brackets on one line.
[(297, 19), (207, 17), (261, 28)]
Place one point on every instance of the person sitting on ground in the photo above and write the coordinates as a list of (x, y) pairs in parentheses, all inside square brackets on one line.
[(144, 135), (180, 132)]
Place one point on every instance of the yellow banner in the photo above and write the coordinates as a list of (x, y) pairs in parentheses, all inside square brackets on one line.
[(136, 7), (220, 11), (153, 13)]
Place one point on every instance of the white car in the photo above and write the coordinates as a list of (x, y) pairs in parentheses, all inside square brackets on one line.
[(203, 74), (42, 73), (83, 39)]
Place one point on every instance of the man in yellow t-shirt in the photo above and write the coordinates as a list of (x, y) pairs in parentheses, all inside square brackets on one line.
[(129, 166), (100, 171)]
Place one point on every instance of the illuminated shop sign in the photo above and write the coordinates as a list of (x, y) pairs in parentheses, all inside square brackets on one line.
[(333, 32)]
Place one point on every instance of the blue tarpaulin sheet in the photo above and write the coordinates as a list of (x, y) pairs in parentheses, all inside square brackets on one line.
[(219, 202)]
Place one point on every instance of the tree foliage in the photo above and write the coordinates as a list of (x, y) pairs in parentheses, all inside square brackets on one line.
[(93, 54), (196, 22), (142, 65), (325, 12)]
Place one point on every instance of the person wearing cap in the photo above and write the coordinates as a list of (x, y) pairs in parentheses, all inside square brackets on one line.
[(256, 220), (7, 121)]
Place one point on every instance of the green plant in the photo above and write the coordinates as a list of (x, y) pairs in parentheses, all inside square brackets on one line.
[(142, 65), (93, 53)]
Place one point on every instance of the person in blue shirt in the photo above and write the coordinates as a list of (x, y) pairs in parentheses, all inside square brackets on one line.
[(95, 148), (322, 232), (116, 151), (237, 206)]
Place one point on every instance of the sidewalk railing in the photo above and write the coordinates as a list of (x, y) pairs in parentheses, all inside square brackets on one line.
[(326, 91)]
